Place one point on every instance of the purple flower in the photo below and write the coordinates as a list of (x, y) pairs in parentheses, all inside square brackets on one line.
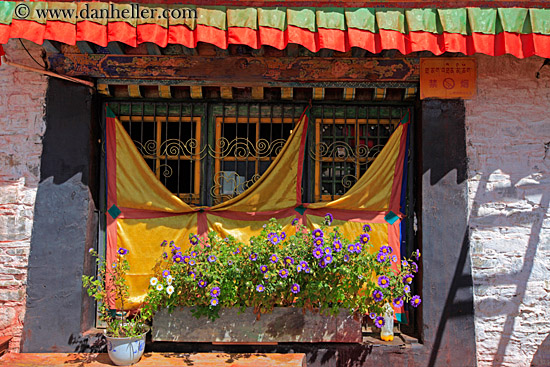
[(379, 322), (283, 236), (298, 268), (271, 235), (192, 262), (177, 258), (175, 249), (164, 255), (383, 281), (327, 250), (194, 240), (346, 258), (381, 257), (351, 247), (202, 283), (327, 259), (394, 258), (215, 292), (372, 315), (295, 288), (237, 251), (263, 269), (165, 273), (192, 274), (122, 251), (408, 278), (253, 256), (308, 270), (317, 252), (283, 273), (186, 259), (386, 250), (337, 245), (358, 247), (171, 243), (274, 240), (289, 260), (322, 263), (318, 241), (415, 301), (407, 289), (193, 254), (398, 302), (377, 295), (229, 262), (274, 258), (214, 302), (164, 243), (414, 267), (304, 264), (417, 254), (366, 228), (260, 288), (318, 233), (328, 219), (295, 221), (404, 263), (364, 238), (211, 258)]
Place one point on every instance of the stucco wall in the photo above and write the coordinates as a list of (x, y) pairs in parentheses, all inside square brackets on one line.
[(22, 99), (508, 124)]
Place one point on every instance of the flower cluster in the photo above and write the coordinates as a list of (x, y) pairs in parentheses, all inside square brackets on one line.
[(318, 270)]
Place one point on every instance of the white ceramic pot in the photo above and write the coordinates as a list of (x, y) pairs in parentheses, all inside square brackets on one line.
[(126, 351)]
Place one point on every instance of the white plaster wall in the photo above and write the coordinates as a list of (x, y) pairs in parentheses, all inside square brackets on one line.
[(22, 125), (508, 124)]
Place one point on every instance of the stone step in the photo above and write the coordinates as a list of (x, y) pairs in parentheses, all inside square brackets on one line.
[(155, 360)]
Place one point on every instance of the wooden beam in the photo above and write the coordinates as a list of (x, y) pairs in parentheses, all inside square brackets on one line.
[(164, 91), (257, 92), (237, 71), (103, 89), (379, 94), (115, 48), (196, 92), (153, 49), (318, 93), (134, 91), (50, 47), (410, 93), (287, 93), (226, 92), (349, 94)]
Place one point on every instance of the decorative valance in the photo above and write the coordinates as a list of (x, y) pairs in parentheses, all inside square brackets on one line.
[(521, 32)]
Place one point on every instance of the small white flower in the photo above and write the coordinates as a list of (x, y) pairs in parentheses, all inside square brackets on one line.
[(170, 290), (169, 279), (159, 287), (153, 281)]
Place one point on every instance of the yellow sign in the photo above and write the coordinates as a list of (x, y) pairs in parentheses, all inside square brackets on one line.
[(448, 78)]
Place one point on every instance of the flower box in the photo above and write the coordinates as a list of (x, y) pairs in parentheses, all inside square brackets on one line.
[(283, 325)]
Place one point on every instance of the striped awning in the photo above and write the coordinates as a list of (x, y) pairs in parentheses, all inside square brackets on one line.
[(521, 32)]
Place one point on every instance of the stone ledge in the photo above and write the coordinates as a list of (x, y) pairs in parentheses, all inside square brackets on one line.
[(156, 359)]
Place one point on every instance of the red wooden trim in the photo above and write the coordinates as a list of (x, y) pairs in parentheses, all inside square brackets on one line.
[(111, 230), (395, 197), (301, 154)]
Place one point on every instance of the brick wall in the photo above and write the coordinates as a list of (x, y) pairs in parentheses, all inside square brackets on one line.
[(22, 99), (508, 124)]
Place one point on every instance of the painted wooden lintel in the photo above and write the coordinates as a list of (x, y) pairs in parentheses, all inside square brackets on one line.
[(237, 71)]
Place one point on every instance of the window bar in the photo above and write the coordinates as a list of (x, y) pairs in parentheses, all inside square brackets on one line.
[(181, 141), (258, 124), (358, 132), (321, 140), (235, 151), (333, 155), (142, 120), (248, 156), (165, 140), (270, 131)]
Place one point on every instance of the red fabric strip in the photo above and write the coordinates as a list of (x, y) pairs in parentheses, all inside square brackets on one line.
[(60, 31), (152, 33), (393, 40), (484, 43), (181, 35), (350, 215), (421, 41), (29, 30), (541, 44), (333, 39), (398, 174), (273, 37), (260, 216), (5, 30), (243, 36), (122, 32), (202, 224), (304, 37), (364, 39), (455, 42), (91, 32), (212, 35), (111, 231)]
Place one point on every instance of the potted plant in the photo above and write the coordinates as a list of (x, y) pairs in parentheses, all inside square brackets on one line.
[(318, 271), (126, 330)]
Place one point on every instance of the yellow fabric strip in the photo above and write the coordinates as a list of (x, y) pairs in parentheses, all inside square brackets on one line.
[(276, 188), (142, 239), (244, 230), (372, 192), (137, 186)]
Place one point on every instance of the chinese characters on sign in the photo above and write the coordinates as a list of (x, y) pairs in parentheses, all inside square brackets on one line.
[(448, 78)]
